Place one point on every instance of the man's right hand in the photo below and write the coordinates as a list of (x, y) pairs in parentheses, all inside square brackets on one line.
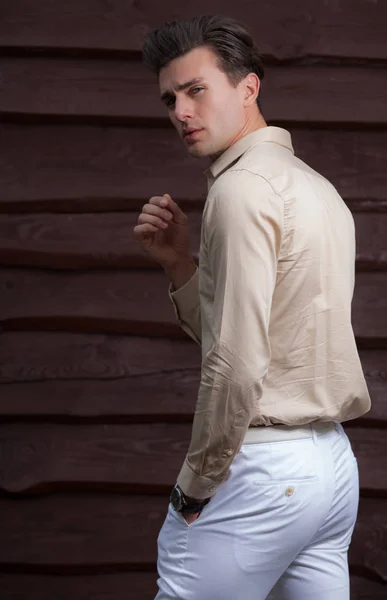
[(163, 232)]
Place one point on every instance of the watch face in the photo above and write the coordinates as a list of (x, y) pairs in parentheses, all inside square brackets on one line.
[(176, 499)]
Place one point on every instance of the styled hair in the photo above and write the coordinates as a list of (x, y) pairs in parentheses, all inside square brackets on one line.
[(230, 40)]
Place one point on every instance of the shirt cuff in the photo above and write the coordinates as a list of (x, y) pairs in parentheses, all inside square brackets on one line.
[(195, 486), (186, 298)]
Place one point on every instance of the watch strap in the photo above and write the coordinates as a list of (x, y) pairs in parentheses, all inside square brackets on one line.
[(190, 509)]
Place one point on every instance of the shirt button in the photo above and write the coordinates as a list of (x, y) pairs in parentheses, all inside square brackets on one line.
[(227, 452), (289, 491)]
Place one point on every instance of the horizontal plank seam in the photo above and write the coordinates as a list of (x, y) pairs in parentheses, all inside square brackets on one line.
[(34, 51), (15, 117), (88, 324), (94, 205), (78, 261)]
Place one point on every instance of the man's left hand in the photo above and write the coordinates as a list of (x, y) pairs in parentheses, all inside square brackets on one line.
[(191, 518)]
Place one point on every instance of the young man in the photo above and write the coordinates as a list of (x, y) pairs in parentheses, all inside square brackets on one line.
[(266, 500)]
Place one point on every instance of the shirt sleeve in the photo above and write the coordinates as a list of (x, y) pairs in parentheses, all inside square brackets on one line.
[(186, 303), (243, 228)]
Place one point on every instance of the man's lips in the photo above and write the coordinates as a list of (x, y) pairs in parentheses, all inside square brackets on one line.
[(185, 133)]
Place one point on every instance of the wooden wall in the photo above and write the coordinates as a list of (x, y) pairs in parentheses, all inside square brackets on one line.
[(99, 383)]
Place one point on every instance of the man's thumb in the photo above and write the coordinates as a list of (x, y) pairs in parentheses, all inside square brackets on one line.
[(170, 203)]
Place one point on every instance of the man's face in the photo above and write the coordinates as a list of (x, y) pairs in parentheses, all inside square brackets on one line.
[(211, 105)]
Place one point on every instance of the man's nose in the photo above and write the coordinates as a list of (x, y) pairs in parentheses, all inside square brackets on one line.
[(183, 109)]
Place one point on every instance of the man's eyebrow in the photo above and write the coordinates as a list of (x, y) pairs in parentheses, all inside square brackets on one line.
[(182, 86)]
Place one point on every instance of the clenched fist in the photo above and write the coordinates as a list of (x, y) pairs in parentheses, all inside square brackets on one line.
[(163, 231)]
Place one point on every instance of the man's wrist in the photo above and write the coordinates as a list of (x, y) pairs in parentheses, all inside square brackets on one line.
[(194, 506), (186, 504), (180, 272)]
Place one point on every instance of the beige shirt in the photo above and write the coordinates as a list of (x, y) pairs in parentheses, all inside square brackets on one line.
[(270, 304)]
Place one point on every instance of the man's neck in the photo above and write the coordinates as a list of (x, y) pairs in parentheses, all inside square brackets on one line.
[(259, 123)]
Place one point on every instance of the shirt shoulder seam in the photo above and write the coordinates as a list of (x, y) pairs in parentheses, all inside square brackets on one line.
[(285, 203)]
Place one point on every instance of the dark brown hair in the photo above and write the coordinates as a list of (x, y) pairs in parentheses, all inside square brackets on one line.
[(230, 40)]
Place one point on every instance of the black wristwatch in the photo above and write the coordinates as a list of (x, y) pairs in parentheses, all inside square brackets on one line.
[(184, 504)]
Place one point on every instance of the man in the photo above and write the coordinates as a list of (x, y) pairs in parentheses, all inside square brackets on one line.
[(266, 500)]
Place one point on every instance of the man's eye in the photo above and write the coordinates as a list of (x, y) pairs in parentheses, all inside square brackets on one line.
[(171, 101)]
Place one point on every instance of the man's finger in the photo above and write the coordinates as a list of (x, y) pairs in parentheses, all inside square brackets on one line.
[(171, 205)]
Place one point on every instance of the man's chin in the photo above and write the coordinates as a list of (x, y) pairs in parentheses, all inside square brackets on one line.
[(197, 150)]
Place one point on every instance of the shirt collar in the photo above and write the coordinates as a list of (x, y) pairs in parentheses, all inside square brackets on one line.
[(276, 135)]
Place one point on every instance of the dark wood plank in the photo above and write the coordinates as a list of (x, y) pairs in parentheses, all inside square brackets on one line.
[(370, 448), (124, 586), (116, 586), (171, 391), (371, 244), (51, 356), (126, 91), (171, 396), (132, 458), (119, 301), (98, 163), (366, 589), (335, 28), (80, 533), (369, 306), (45, 458), (77, 168), (368, 551), (86, 241), (63, 376), (136, 302), (106, 240), (97, 533)]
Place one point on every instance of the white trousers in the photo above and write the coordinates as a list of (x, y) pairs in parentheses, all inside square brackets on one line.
[(278, 529)]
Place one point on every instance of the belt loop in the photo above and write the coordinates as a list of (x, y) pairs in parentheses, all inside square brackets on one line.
[(314, 434)]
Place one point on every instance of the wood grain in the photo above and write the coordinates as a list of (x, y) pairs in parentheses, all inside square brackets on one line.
[(335, 28), (64, 376), (366, 589), (116, 586), (106, 240), (80, 532), (85, 168), (42, 356), (369, 306), (47, 458), (74, 532), (90, 241), (368, 551), (111, 91), (136, 302)]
